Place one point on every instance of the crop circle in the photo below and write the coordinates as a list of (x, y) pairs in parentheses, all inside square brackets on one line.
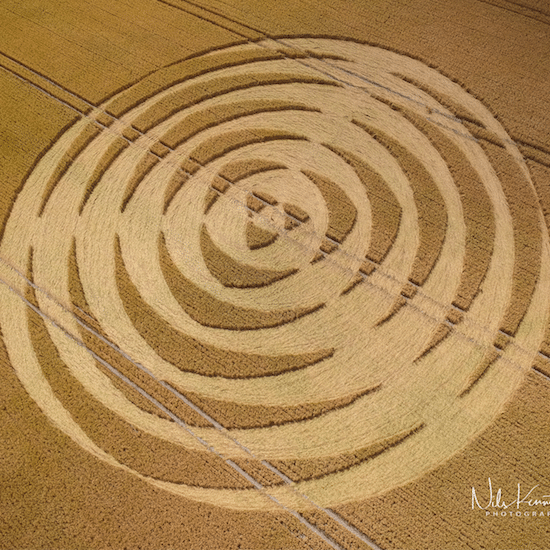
[(330, 249)]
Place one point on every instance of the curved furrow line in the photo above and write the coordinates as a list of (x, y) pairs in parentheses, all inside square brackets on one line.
[(218, 146), (233, 274), (190, 355), (207, 310), (95, 340), (341, 211), (149, 455), (235, 415), (183, 71), (195, 94), (317, 468), (205, 119), (477, 208), (524, 206), (432, 215), (90, 132), (386, 211)]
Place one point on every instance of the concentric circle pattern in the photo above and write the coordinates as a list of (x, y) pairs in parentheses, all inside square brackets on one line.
[(321, 254)]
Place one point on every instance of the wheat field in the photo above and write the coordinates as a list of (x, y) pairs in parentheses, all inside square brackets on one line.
[(275, 278)]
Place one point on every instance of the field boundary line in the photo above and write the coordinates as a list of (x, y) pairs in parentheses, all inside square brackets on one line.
[(33, 77)]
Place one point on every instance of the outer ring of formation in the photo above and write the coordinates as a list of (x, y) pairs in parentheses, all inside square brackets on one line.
[(305, 256)]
